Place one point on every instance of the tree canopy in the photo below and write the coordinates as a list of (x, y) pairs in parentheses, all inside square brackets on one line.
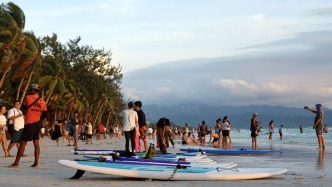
[(72, 76)]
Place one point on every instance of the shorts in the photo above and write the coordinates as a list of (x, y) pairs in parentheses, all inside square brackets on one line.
[(319, 131), (31, 131), (225, 132), (253, 134), (89, 136), (75, 135), (16, 136), (142, 131)]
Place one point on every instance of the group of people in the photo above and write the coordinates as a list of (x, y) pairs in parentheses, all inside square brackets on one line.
[(134, 127), (318, 126), (23, 128)]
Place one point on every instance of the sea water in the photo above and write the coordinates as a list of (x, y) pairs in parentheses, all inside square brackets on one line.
[(299, 151)]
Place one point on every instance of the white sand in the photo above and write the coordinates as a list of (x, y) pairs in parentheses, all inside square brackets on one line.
[(305, 168)]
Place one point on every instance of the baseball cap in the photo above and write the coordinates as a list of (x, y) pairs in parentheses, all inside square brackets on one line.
[(318, 105), (35, 86)]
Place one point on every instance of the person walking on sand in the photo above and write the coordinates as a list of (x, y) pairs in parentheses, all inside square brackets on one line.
[(318, 124), (271, 130), (35, 114), (130, 119), (253, 129), (57, 133), (16, 118), (3, 122)]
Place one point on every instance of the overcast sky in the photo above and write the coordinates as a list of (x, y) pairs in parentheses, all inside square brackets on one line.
[(217, 52)]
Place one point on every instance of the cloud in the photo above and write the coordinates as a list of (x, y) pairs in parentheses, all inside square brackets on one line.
[(322, 11), (296, 77)]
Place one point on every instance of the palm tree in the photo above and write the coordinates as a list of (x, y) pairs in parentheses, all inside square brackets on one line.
[(12, 39)]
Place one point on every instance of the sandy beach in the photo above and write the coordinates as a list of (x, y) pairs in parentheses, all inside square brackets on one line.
[(306, 167)]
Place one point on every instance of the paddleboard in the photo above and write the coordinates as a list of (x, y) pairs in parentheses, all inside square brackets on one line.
[(189, 159), (211, 164), (170, 172), (232, 151), (107, 152)]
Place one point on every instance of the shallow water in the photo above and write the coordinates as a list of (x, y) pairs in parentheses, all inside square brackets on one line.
[(299, 152)]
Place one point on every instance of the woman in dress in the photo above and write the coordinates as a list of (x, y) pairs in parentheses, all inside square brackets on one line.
[(57, 132), (161, 135)]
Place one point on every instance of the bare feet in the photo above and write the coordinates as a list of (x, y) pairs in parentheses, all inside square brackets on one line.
[(14, 165), (34, 165)]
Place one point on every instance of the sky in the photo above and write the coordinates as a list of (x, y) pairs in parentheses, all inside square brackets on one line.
[(215, 52)]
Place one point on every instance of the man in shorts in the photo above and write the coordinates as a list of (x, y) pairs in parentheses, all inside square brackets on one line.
[(15, 117), (318, 124), (142, 124), (35, 113), (74, 129)]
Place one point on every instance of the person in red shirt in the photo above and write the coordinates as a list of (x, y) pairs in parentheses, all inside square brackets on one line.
[(35, 113), (101, 130)]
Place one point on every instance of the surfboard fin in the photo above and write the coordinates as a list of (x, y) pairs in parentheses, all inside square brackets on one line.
[(78, 174)]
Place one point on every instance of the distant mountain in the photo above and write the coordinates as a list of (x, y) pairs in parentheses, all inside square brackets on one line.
[(238, 115)]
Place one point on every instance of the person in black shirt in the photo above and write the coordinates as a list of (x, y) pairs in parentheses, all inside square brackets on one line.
[(142, 124)]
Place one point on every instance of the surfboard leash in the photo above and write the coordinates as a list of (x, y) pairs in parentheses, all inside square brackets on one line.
[(228, 169)]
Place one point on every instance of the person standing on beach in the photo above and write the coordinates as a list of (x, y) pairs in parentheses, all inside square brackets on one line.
[(271, 130), (225, 127), (253, 129), (203, 130), (89, 133), (35, 114), (15, 117), (318, 124), (3, 122), (161, 135), (168, 133), (142, 124), (74, 129), (130, 119), (280, 131)]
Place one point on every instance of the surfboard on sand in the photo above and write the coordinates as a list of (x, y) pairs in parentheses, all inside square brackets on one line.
[(170, 172), (158, 161), (232, 151), (107, 152)]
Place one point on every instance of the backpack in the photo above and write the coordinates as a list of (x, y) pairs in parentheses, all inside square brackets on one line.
[(151, 152)]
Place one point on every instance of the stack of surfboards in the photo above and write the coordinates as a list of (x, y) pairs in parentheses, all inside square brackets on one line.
[(165, 167)]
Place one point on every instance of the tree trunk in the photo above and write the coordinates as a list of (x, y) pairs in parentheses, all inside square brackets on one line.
[(27, 85), (19, 88), (49, 96), (3, 78)]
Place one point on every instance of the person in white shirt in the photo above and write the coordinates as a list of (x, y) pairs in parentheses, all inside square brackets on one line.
[(3, 121), (89, 133), (15, 117), (130, 120), (116, 131)]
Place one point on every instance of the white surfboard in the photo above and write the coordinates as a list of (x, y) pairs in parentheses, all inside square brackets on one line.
[(170, 173)]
